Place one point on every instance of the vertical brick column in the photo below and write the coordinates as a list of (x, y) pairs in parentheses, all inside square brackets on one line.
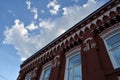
[(38, 71), (91, 66), (62, 66), (84, 63), (57, 67)]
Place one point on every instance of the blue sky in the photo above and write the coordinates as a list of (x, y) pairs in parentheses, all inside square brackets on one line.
[(28, 25)]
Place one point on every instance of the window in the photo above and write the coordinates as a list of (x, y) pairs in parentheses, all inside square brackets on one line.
[(46, 72), (113, 47), (73, 69), (28, 76)]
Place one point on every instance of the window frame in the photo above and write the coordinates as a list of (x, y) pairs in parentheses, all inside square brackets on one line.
[(69, 55), (45, 67), (28, 76), (108, 36)]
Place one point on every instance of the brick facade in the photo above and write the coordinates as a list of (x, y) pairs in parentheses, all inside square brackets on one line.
[(87, 37)]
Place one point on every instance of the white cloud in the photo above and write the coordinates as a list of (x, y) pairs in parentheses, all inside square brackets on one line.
[(48, 24), (60, 31), (32, 9), (64, 11), (28, 4), (90, 3), (32, 26), (18, 34), (55, 7), (35, 12)]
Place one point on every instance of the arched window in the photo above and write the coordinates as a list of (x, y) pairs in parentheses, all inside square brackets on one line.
[(113, 48), (73, 67), (46, 72), (28, 76)]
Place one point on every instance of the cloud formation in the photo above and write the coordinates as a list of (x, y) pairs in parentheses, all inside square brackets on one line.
[(32, 9), (32, 26), (48, 24), (26, 44), (28, 4), (53, 7), (35, 12), (18, 36)]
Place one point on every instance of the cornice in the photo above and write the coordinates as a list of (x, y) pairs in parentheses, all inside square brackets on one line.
[(86, 23)]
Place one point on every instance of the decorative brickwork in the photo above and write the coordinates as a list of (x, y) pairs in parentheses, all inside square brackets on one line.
[(86, 36)]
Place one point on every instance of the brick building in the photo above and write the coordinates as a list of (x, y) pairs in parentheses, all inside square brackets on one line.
[(90, 50)]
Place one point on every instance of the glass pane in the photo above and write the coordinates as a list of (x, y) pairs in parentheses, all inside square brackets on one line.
[(74, 60), (116, 55), (74, 68), (113, 41), (77, 73), (28, 78), (46, 74), (70, 74), (77, 78)]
